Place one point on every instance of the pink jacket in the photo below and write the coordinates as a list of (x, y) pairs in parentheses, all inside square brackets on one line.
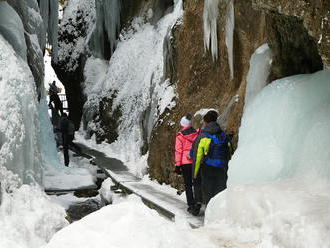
[(183, 143)]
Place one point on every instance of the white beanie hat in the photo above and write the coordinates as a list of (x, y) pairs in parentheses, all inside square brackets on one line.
[(185, 122)]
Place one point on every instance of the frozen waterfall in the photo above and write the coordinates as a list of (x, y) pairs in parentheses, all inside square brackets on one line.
[(135, 77), (107, 23), (19, 126), (285, 131)]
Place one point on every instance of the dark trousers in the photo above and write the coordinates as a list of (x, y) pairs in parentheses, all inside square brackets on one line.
[(57, 101), (198, 189), (73, 146), (214, 180), (187, 178), (65, 143)]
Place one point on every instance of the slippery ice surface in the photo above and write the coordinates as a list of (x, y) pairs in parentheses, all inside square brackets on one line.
[(260, 63), (135, 76), (279, 177)]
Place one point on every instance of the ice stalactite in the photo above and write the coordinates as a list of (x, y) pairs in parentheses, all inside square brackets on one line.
[(260, 64), (107, 27), (230, 25), (49, 13), (210, 18)]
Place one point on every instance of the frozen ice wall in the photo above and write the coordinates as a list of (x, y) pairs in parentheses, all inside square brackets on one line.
[(260, 63), (19, 117), (285, 131), (279, 177), (107, 26), (135, 76), (11, 28)]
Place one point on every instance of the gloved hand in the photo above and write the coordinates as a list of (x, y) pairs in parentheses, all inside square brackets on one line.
[(177, 170)]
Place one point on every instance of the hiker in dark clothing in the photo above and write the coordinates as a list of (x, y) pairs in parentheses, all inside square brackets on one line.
[(213, 154), (183, 142), (64, 127), (67, 129), (53, 97)]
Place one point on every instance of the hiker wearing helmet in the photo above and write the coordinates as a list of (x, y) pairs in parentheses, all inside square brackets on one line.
[(183, 163)]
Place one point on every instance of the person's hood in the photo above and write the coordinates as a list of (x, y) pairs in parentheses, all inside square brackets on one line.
[(212, 128), (189, 133)]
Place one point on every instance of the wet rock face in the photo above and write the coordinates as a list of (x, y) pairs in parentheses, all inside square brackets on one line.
[(201, 82), (297, 33), (105, 120), (314, 14), (294, 51)]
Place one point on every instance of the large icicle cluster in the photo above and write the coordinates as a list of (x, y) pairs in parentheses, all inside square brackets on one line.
[(210, 17), (210, 23), (107, 27), (49, 13)]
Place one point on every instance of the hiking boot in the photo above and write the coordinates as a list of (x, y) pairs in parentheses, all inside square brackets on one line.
[(190, 209), (196, 209)]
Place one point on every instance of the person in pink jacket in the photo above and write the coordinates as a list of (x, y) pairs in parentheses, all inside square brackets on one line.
[(183, 163)]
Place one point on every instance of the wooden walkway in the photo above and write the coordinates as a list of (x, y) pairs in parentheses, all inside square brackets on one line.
[(167, 204)]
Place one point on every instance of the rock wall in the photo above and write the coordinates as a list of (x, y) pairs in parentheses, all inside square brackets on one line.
[(296, 33)]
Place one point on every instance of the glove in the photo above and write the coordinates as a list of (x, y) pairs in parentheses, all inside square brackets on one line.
[(177, 170)]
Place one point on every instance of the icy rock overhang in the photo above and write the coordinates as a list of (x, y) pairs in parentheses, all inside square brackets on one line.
[(314, 14)]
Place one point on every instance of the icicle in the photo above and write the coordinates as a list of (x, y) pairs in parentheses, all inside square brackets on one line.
[(230, 25), (112, 20), (210, 17), (260, 64), (53, 28), (44, 11)]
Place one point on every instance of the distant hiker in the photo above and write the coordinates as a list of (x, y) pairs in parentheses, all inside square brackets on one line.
[(64, 127), (212, 157), (67, 129), (53, 97), (184, 140)]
